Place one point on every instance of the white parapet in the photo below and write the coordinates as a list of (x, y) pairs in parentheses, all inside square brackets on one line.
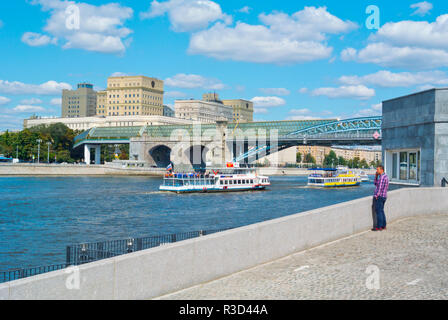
[(172, 267)]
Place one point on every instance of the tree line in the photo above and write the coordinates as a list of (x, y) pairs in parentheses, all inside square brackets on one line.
[(24, 145), (332, 160)]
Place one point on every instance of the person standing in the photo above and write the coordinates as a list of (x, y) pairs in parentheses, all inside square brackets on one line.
[(381, 185)]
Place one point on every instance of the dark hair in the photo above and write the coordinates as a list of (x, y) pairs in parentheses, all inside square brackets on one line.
[(380, 166)]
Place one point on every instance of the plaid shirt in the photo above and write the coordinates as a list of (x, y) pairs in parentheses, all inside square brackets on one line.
[(382, 184)]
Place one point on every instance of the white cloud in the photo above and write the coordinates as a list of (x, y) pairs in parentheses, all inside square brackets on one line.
[(245, 9), (260, 110), (357, 92), (100, 29), (28, 108), (303, 90), (20, 88), (264, 102), (4, 100), (300, 111), (276, 91), (56, 102), (187, 15), (374, 110), (422, 8), (307, 114), (175, 94), (398, 57), (36, 39), (281, 39), (191, 81), (406, 44), (119, 74), (31, 101), (385, 78)]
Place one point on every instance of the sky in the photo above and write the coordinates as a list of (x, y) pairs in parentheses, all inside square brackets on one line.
[(293, 59)]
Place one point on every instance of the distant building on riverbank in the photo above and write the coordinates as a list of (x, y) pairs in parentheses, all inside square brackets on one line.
[(132, 96), (84, 123), (348, 153), (80, 102)]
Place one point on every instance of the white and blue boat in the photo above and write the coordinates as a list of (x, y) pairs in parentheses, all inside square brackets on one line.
[(215, 180)]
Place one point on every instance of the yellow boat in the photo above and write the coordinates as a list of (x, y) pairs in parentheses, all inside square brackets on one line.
[(331, 178)]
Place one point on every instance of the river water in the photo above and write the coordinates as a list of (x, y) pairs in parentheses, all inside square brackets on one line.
[(39, 216)]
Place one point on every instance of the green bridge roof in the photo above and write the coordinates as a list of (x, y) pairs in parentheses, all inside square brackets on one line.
[(125, 133)]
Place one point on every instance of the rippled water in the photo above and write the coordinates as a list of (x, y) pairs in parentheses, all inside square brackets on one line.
[(40, 216)]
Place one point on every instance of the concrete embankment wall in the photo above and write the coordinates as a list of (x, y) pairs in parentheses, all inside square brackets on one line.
[(273, 171), (72, 170), (169, 268)]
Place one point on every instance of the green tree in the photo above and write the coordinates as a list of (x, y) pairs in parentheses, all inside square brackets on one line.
[(363, 164), (25, 142), (342, 161), (331, 159), (298, 157), (309, 159)]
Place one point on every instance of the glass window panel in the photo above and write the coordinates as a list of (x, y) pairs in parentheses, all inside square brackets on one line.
[(394, 165), (403, 165), (412, 166)]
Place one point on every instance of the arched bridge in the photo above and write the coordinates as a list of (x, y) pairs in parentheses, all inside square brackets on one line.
[(244, 142), (360, 131)]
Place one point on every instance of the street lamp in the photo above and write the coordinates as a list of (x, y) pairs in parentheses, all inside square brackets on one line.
[(48, 152), (39, 141)]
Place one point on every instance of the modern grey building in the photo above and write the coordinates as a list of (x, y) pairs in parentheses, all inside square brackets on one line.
[(415, 138), (80, 102), (168, 112)]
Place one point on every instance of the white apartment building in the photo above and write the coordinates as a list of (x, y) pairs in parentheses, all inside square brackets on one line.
[(208, 110)]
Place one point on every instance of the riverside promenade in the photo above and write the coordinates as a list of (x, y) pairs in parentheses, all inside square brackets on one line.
[(29, 169), (43, 169), (411, 258), (328, 252)]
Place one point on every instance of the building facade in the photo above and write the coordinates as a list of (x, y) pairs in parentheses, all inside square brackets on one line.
[(208, 110), (319, 153), (101, 104), (168, 112), (415, 138), (79, 103), (243, 110), (133, 96), (85, 123)]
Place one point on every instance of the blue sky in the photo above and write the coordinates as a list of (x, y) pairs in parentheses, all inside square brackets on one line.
[(294, 59)]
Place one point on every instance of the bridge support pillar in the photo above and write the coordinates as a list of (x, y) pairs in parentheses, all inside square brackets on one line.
[(87, 154)]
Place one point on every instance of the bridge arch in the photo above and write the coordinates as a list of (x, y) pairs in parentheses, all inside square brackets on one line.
[(197, 155), (161, 155)]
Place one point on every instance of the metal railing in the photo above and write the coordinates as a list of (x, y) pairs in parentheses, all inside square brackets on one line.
[(78, 254), (88, 252), (16, 274)]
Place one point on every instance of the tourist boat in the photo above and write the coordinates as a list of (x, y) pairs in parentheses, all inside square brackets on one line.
[(361, 173), (364, 176), (215, 180), (331, 178)]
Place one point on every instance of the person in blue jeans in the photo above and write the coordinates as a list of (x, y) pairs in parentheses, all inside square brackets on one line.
[(380, 196)]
